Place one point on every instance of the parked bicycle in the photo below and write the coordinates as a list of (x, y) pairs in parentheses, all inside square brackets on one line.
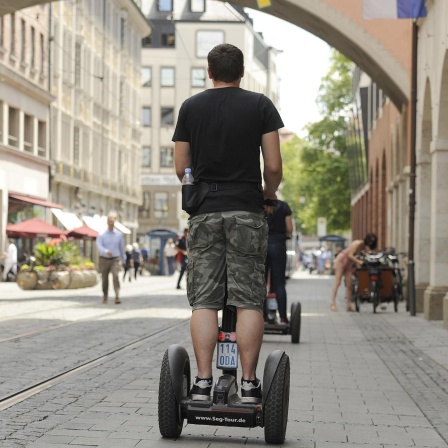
[(375, 282), (392, 259)]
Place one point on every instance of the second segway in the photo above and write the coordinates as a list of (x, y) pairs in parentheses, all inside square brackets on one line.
[(274, 326)]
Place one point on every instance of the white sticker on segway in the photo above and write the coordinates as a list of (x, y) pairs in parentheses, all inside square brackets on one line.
[(227, 356)]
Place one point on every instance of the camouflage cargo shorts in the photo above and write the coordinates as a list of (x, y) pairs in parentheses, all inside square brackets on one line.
[(232, 245)]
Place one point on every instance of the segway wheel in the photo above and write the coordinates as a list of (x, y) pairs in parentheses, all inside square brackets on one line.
[(296, 321), (277, 404), (170, 416)]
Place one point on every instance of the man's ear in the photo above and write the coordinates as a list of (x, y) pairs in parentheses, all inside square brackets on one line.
[(209, 73), (242, 73)]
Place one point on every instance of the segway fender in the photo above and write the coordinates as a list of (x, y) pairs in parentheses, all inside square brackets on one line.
[(269, 371), (177, 357)]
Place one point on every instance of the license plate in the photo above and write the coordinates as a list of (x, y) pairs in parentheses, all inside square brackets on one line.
[(227, 356)]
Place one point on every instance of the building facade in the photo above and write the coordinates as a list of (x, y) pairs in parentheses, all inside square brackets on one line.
[(24, 109), (174, 67), (70, 112), (94, 72)]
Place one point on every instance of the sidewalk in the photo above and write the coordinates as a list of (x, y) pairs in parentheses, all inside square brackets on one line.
[(357, 380)]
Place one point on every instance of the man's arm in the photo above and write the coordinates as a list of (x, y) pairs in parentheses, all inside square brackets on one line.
[(288, 223), (182, 158), (272, 173)]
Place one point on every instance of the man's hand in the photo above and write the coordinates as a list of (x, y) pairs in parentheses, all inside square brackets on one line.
[(109, 253)]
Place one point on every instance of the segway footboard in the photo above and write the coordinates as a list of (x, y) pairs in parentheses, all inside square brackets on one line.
[(234, 413), (226, 408)]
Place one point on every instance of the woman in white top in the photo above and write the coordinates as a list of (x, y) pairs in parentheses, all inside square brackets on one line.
[(170, 253)]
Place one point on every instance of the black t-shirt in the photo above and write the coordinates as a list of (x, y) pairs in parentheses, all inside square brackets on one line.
[(276, 222), (224, 127)]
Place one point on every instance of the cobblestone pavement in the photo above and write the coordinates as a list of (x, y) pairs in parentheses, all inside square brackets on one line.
[(357, 380)]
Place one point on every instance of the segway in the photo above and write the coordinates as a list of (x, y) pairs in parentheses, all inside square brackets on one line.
[(225, 407), (274, 326)]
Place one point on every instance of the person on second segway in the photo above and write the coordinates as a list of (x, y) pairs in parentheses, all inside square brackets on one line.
[(280, 228), (218, 135)]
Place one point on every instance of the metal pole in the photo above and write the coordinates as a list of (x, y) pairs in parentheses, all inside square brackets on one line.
[(411, 266)]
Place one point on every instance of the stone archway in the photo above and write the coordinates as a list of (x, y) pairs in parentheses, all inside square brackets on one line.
[(438, 282), (423, 199), (340, 24)]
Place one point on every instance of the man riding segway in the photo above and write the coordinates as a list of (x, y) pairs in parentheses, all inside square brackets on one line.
[(218, 135)]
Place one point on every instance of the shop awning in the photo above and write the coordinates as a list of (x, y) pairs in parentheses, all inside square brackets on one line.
[(69, 220), (18, 202), (33, 228), (99, 223), (83, 232)]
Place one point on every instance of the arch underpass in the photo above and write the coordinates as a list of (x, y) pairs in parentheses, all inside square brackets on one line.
[(340, 24)]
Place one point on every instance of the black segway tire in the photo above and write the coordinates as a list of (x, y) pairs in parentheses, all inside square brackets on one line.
[(296, 322), (276, 405), (170, 417)]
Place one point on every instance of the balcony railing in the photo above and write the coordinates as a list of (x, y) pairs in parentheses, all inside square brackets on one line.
[(94, 180)]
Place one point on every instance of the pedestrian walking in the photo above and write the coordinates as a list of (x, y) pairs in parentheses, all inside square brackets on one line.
[(136, 259), (218, 135), (110, 246), (10, 260), (181, 247), (170, 252), (129, 263)]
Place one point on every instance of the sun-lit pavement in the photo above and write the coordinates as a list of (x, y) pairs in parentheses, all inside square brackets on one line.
[(357, 380)]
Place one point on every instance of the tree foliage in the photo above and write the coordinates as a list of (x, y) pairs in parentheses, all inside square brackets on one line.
[(316, 168)]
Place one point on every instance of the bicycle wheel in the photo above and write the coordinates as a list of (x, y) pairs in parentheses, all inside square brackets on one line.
[(374, 295), (355, 296)]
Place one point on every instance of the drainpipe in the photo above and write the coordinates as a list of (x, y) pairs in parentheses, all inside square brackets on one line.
[(411, 266)]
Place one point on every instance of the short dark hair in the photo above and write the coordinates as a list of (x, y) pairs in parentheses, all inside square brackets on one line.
[(371, 240), (226, 63)]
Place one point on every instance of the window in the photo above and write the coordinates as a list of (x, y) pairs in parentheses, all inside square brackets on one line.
[(166, 157), (122, 32), (23, 41), (13, 127), (165, 5), (146, 116), (77, 64), (197, 5), (42, 53), (76, 146), (198, 77), (12, 39), (168, 40), (206, 40), (33, 47), (160, 205), (1, 31), (144, 209), (41, 138), (28, 133), (146, 76), (146, 156), (146, 42), (167, 116), (167, 76)]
